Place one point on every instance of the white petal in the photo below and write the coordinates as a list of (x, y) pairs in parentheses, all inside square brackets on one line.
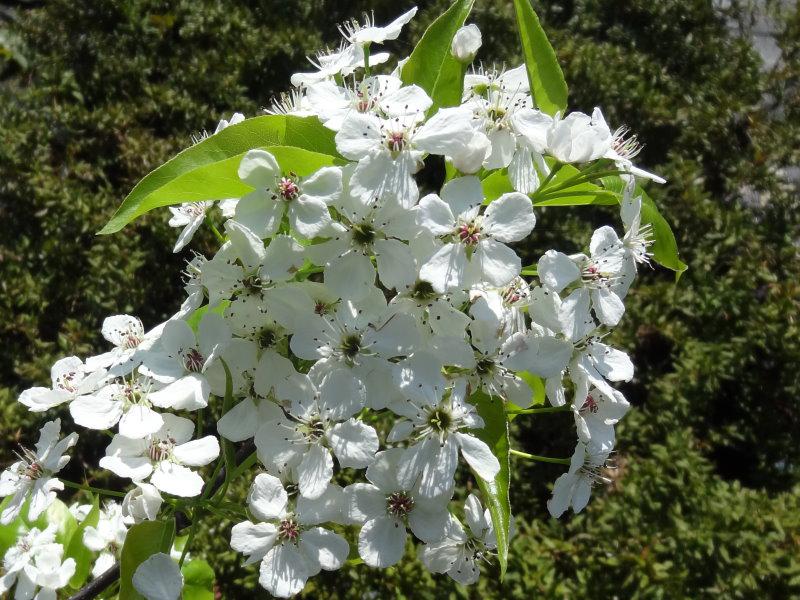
[(341, 394), (314, 471), (350, 276), (284, 571), (382, 542), (510, 218), (363, 501), (240, 422), (607, 306), (428, 523), (359, 134), (435, 215), (557, 270), (396, 265), (478, 456), (253, 539), (354, 443), (446, 268), (329, 549), (198, 453), (259, 213), (309, 216), (140, 421), (176, 480), (495, 263), (188, 393), (259, 169), (449, 130), (329, 507), (95, 412), (267, 497)]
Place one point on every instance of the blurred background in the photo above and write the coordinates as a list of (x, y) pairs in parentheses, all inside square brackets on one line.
[(704, 502)]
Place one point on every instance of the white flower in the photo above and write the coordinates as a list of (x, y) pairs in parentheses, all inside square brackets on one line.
[(596, 412), (388, 150), (142, 503), (466, 43), (461, 550), (318, 423), (236, 117), (305, 199), (474, 249), (623, 148), (33, 474), (19, 561), (107, 536), (579, 138), (436, 426), (125, 403), (344, 60), (158, 578), (70, 379), (289, 548), (164, 456), (190, 216), (368, 33), (574, 487), (181, 359), (127, 335), (386, 506)]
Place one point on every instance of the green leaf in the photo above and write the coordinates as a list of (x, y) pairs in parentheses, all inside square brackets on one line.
[(495, 185), (431, 66), (143, 540), (495, 493), (537, 386), (548, 87), (193, 320), (579, 198), (9, 533), (198, 580), (270, 130), (665, 247), (78, 550)]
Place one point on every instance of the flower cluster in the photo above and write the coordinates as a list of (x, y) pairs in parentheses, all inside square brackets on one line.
[(356, 332)]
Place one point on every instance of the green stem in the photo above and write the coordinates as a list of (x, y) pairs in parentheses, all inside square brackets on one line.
[(366, 60), (556, 168), (572, 182), (540, 411), (192, 529), (547, 459), (217, 234), (89, 488)]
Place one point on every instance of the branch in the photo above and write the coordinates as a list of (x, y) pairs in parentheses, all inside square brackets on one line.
[(96, 587)]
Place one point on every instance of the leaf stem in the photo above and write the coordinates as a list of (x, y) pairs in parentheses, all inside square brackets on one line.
[(556, 168), (217, 234), (89, 488), (547, 459)]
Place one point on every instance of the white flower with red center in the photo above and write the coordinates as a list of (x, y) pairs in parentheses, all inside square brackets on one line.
[(180, 360), (386, 507), (33, 474), (126, 403), (70, 379), (436, 425), (287, 543), (388, 150), (597, 412), (474, 244), (189, 216), (304, 199), (164, 456), (318, 424), (574, 487), (127, 335)]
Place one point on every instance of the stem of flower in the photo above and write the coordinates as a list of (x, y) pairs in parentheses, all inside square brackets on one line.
[(89, 488), (366, 60), (556, 168), (540, 411), (547, 459), (217, 234)]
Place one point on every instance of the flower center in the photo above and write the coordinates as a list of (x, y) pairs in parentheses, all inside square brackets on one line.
[(351, 345), (363, 234), (160, 449), (423, 290), (469, 233), (320, 308), (627, 146), (396, 141), (496, 113), (590, 405), (288, 189), (485, 367), (314, 429), (289, 529), (66, 381), (193, 360), (399, 504), (440, 420), (267, 337), (252, 284)]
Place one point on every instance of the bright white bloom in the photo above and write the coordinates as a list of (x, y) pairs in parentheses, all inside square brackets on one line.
[(474, 247), (344, 60), (180, 360), (386, 506), (164, 456), (236, 118), (466, 43), (596, 413), (286, 543), (388, 150), (107, 537), (127, 335), (574, 487), (579, 138), (19, 562), (158, 578), (436, 426), (32, 474), (125, 403), (305, 199), (318, 423), (189, 216), (70, 379), (366, 33), (461, 551), (142, 503)]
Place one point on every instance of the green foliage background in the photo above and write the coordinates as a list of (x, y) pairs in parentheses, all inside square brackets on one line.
[(704, 502)]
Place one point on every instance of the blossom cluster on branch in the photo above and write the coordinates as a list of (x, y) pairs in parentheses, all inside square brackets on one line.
[(358, 330)]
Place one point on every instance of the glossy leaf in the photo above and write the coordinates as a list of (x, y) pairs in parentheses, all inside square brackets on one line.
[(77, 549), (495, 493), (548, 87), (431, 65), (270, 130), (198, 580), (143, 540)]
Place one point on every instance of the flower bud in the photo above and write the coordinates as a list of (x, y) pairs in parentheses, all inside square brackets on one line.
[(466, 43), (470, 159), (142, 503)]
